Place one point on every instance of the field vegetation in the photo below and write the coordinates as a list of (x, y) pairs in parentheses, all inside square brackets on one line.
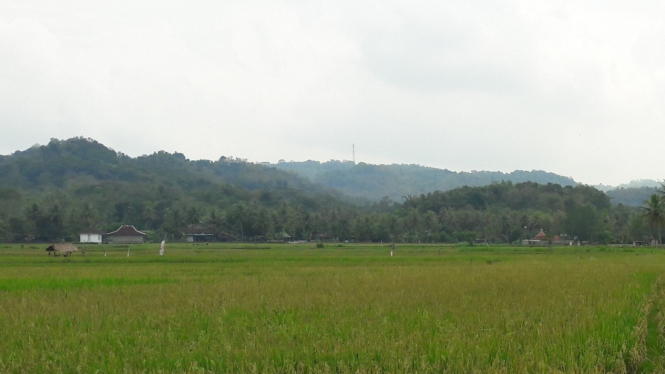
[(342, 308)]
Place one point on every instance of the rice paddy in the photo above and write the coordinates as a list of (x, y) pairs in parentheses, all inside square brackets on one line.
[(343, 309)]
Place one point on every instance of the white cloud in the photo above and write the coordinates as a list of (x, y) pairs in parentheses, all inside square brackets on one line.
[(569, 87)]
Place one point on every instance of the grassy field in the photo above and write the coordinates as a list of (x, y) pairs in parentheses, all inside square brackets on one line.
[(351, 308)]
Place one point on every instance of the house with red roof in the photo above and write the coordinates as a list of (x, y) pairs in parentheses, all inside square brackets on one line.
[(539, 240), (540, 236)]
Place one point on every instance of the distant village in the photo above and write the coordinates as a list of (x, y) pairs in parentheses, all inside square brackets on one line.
[(128, 234)]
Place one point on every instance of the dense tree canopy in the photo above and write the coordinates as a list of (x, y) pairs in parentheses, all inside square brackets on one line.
[(50, 193)]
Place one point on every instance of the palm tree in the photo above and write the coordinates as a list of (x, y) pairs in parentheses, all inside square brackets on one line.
[(240, 213), (87, 214), (148, 216), (193, 215), (217, 221), (176, 222), (55, 218), (654, 212)]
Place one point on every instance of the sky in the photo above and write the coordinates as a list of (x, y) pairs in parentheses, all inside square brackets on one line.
[(571, 87)]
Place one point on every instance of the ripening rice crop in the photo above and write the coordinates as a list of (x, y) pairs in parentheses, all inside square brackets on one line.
[(302, 310)]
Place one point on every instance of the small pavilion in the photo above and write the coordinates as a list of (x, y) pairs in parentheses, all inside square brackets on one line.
[(541, 235)]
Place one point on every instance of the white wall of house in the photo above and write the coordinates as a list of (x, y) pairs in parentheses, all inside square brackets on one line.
[(91, 238)]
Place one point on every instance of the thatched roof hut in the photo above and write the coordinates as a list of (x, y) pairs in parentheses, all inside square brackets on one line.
[(65, 249)]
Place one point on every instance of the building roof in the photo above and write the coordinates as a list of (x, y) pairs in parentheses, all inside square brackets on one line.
[(199, 229), (126, 230), (90, 230), (541, 235)]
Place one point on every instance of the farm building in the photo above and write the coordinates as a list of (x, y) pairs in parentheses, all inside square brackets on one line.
[(91, 235), (539, 240), (540, 236), (65, 249), (199, 233), (126, 234)]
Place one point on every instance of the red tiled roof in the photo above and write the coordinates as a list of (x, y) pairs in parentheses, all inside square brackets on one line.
[(127, 230), (541, 235)]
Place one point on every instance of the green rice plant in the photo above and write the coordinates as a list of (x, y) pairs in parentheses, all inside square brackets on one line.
[(289, 309)]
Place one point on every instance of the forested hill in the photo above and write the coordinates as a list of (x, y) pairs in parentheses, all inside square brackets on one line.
[(80, 161), (394, 181), (633, 197), (51, 192), (82, 183)]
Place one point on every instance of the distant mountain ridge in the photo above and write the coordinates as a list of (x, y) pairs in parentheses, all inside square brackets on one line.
[(79, 173), (639, 183), (633, 193), (394, 181)]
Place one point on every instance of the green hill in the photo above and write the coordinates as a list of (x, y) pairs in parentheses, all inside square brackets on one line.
[(394, 181), (53, 191), (633, 197)]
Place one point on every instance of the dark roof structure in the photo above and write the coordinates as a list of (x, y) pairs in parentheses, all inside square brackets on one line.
[(199, 229), (126, 230)]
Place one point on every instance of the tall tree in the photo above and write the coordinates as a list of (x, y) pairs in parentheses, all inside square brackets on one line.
[(654, 213), (193, 215), (217, 221), (88, 214), (582, 221), (239, 214)]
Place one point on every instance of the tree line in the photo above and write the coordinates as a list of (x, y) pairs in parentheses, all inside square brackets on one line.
[(52, 192)]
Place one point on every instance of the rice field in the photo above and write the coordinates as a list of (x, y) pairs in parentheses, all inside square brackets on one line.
[(342, 309)]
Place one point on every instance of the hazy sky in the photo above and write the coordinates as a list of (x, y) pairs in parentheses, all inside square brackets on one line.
[(572, 87)]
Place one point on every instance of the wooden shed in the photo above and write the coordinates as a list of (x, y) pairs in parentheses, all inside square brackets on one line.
[(65, 249)]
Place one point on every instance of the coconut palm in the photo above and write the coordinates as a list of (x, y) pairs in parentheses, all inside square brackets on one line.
[(654, 212)]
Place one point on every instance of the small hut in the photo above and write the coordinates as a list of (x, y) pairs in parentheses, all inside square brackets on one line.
[(65, 249), (199, 233)]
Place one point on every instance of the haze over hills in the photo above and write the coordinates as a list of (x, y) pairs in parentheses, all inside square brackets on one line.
[(633, 194), (374, 182), (86, 158), (80, 163), (640, 183), (51, 192)]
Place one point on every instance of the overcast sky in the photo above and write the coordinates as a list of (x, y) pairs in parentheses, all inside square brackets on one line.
[(572, 87)]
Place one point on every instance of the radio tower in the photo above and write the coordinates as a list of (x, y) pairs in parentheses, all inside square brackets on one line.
[(353, 151)]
